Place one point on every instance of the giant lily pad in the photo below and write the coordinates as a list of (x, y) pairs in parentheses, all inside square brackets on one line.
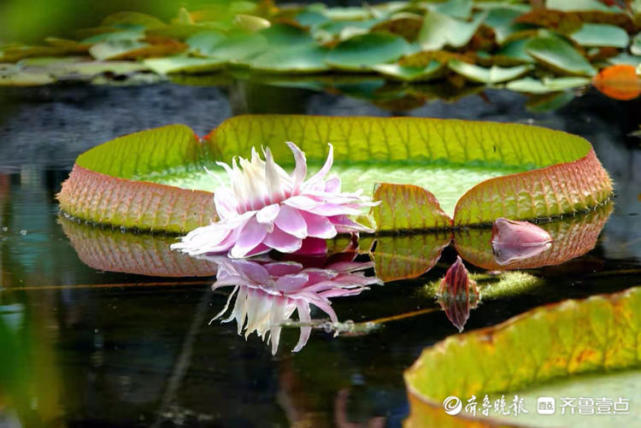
[(156, 179), (569, 340)]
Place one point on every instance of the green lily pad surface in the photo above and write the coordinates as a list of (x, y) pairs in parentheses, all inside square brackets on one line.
[(478, 171), (447, 183)]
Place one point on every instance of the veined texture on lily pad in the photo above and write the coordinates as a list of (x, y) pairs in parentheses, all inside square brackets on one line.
[(427, 173)]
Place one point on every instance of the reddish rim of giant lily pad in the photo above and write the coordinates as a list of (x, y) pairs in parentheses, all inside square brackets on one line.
[(107, 184)]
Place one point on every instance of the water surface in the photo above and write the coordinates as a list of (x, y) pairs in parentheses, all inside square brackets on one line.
[(117, 349)]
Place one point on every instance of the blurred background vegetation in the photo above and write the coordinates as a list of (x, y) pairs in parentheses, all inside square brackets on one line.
[(33, 20)]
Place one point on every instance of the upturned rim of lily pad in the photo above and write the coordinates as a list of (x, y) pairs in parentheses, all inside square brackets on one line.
[(564, 175)]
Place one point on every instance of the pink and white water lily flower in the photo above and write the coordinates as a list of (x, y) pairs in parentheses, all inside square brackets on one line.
[(266, 208), (268, 292)]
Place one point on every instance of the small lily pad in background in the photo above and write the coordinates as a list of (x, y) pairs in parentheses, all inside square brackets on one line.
[(535, 86), (461, 9), (490, 75), (298, 59), (367, 50), (407, 73), (580, 5), (501, 20), (635, 47), (601, 35), (441, 30), (558, 54), (183, 64), (204, 43)]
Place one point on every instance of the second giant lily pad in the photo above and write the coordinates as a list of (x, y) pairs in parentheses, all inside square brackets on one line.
[(581, 340), (427, 173)]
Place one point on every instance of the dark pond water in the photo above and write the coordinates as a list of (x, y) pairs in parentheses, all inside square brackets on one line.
[(114, 349)]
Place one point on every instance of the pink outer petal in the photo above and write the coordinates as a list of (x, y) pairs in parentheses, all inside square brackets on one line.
[(300, 171), (334, 209), (291, 221), (324, 170), (301, 202), (283, 242), (249, 237), (224, 203), (319, 226), (268, 214)]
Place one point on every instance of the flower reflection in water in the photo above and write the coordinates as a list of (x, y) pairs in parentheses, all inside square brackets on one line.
[(267, 292)]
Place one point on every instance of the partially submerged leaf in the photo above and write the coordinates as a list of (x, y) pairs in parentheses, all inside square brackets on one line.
[(420, 210)]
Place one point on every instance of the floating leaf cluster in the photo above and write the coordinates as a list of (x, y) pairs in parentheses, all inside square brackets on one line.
[(554, 48)]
